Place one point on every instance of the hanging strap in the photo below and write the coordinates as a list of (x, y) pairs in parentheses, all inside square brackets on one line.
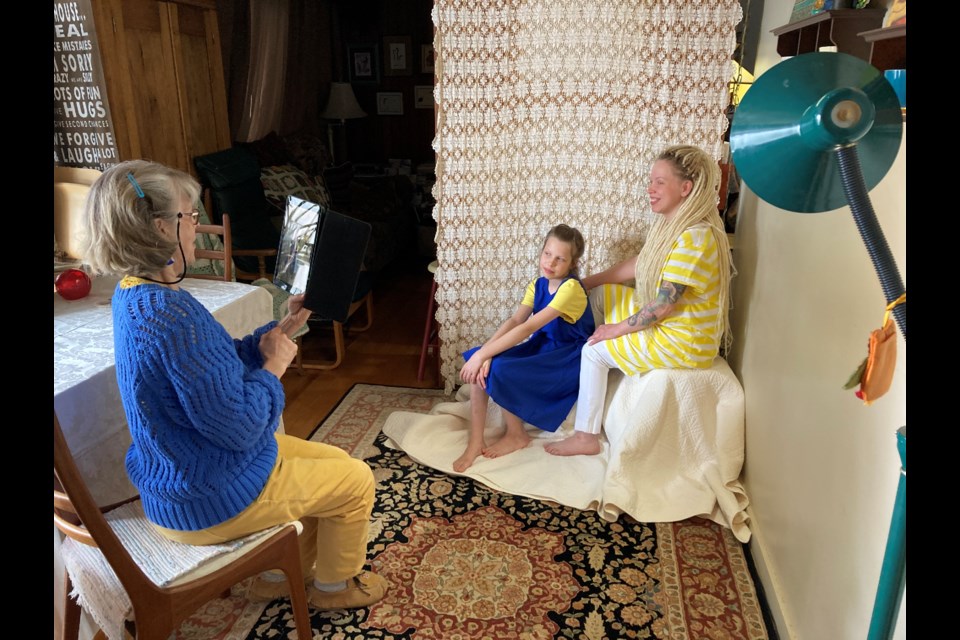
[(890, 307)]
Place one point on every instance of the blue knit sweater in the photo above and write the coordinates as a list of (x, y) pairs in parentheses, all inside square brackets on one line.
[(201, 409)]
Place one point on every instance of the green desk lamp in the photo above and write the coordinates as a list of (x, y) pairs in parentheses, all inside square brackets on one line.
[(808, 116)]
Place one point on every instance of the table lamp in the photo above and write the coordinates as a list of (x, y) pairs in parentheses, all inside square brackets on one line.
[(341, 105)]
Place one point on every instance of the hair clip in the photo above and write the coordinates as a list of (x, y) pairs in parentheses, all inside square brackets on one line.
[(136, 185)]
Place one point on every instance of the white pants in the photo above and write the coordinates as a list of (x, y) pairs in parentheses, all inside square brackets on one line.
[(595, 365)]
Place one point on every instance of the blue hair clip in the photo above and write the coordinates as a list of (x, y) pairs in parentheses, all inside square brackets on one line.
[(136, 185)]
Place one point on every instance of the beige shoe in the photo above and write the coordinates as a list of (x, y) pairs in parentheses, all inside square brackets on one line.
[(362, 591), (262, 590)]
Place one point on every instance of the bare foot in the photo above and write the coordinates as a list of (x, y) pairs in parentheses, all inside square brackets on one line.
[(507, 444), (580, 443), (463, 463)]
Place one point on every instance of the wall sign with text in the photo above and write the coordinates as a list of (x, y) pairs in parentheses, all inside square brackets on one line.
[(82, 127)]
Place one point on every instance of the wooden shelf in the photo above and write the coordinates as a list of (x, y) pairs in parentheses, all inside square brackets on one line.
[(840, 28), (888, 47)]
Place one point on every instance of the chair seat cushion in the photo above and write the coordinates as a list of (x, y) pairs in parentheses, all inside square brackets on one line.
[(164, 562)]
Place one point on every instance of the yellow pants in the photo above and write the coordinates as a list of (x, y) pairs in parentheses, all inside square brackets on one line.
[(331, 493)]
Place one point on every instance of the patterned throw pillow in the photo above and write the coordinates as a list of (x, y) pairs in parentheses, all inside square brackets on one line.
[(286, 180), (209, 241)]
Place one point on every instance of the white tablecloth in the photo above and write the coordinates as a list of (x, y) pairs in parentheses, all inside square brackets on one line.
[(85, 393)]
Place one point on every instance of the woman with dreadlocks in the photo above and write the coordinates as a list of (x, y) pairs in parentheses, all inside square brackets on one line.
[(678, 314)]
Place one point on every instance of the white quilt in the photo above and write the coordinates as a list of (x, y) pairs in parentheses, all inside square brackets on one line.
[(673, 449)]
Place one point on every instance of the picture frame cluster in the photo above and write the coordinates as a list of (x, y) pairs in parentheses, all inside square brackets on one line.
[(372, 63)]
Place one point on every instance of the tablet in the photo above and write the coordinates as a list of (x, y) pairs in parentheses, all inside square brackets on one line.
[(320, 255)]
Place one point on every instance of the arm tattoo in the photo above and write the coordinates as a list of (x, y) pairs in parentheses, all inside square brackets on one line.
[(669, 293)]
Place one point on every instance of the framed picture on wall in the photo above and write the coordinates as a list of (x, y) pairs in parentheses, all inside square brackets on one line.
[(397, 56), (426, 58), (423, 97), (389, 103), (364, 63)]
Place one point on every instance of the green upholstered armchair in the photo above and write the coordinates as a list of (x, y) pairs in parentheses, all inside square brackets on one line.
[(231, 179)]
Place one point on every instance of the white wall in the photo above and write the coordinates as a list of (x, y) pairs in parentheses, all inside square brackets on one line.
[(821, 468)]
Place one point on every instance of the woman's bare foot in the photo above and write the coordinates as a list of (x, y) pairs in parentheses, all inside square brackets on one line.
[(463, 463), (580, 443), (509, 443)]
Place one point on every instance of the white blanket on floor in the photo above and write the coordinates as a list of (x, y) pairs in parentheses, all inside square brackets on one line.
[(673, 449)]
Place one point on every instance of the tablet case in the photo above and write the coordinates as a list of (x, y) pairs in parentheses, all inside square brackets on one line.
[(320, 255)]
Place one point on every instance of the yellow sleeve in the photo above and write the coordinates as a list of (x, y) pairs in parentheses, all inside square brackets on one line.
[(693, 261), (529, 294), (570, 301)]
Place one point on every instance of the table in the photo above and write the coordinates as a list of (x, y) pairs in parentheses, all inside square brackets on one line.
[(87, 399), (85, 393)]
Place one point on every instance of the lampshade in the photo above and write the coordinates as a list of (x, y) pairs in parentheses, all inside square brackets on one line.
[(342, 104)]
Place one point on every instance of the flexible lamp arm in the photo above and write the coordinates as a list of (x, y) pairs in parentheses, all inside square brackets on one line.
[(866, 220), (893, 572)]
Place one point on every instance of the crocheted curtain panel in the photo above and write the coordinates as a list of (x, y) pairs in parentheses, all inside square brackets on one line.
[(549, 112)]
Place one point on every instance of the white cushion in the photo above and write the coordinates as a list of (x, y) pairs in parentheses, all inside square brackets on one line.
[(165, 563)]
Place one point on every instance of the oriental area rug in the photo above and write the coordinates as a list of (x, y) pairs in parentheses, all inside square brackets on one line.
[(466, 562)]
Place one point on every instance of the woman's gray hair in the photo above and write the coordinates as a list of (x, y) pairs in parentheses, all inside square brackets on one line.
[(119, 236)]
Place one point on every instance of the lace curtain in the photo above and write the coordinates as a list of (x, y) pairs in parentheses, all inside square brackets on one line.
[(551, 111)]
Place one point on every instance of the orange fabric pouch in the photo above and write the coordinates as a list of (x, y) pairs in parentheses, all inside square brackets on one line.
[(876, 372)]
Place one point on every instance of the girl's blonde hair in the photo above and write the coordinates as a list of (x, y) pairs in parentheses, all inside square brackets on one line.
[(699, 207), (572, 237), (119, 236)]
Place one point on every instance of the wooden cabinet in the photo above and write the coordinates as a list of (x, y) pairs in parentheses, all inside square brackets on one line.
[(164, 75), (840, 28)]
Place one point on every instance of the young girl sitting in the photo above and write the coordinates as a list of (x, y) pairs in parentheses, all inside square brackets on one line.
[(534, 381)]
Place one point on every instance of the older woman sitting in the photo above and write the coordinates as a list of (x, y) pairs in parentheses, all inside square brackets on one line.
[(203, 408)]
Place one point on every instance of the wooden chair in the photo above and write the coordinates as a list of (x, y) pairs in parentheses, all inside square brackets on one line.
[(237, 168), (280, 297), (261, 255), (158, 611), (365, 302), (225, 254), (724, 185)]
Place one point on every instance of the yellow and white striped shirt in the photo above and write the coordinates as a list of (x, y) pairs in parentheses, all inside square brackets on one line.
[(690, 336)]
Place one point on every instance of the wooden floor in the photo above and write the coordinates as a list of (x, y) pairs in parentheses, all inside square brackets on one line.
[(386, 353)]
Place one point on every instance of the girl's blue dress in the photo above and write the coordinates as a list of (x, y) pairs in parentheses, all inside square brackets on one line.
[(538, 380)]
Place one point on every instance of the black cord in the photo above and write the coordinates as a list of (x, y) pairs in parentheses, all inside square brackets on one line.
[(183, 258)]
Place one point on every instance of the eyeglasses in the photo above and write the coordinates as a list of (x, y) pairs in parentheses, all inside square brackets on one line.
[(194, 216)]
